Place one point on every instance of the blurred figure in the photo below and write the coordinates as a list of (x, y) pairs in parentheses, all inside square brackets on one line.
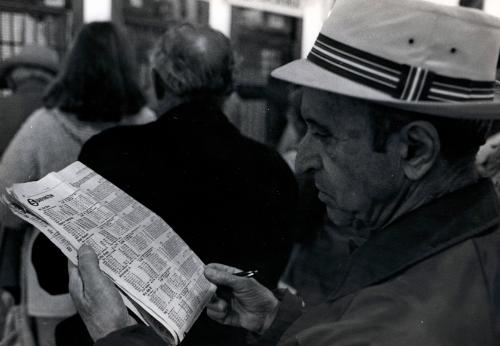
[(488, 156), (294, 130), (276, 94), (229, 197), (95, 90), (488, 160), (25, 77)]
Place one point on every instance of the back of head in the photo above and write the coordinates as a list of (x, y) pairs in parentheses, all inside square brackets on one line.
[(193, 62), (97, 81)]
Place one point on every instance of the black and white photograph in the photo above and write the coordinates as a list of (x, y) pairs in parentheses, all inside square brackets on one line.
[(250, 172)]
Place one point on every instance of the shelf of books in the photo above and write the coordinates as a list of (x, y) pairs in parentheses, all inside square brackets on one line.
[(34, 23)]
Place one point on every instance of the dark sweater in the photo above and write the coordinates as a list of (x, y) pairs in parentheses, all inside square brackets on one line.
[(230, 198)]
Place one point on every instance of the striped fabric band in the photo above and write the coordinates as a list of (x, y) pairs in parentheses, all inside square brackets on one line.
[(398, 80)]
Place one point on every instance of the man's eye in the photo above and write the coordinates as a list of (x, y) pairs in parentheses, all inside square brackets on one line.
[(321, 135)]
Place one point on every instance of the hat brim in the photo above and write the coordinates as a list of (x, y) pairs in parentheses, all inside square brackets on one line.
[(305, 73), (9, 64)]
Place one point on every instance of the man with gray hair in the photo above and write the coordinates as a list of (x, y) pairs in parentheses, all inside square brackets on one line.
[(192, 64), (229, 197)]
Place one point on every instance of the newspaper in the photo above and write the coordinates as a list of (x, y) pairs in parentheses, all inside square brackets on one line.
[(150, 264)]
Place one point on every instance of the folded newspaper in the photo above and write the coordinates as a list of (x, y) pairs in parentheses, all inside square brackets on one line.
[(161, 279)]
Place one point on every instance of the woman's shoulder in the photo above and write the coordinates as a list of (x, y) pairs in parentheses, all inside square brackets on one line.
[(41, 118), (144, 116), (40, 122)]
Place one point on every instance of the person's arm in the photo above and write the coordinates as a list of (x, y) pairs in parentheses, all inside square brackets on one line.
[(20, 163), (96, 298), (251, 306)]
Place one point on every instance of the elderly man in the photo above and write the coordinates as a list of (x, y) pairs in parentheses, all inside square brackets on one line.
[(395, 93)]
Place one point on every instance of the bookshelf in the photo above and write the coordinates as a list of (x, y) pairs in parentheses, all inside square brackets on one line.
[(31, 22)]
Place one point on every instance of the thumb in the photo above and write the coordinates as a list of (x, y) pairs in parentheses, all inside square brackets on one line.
[(75, 284), (223, 278), (88, 266)]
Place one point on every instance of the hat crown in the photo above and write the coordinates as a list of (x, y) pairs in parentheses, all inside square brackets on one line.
[(450, 41), (407, 54)]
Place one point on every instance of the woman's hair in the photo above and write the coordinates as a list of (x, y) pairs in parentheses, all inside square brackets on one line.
[(98, 79)]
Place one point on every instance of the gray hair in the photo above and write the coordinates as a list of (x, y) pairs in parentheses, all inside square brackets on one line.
[(459, 138), (194, 61)]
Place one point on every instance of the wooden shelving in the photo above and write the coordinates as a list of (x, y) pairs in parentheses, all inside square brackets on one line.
[(29, 22), (146, 22), (30, 8)]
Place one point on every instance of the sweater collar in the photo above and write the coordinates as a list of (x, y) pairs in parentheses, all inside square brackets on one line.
[(428, 230)]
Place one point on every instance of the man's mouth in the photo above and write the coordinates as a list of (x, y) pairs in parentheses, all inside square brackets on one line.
[(323, 197)]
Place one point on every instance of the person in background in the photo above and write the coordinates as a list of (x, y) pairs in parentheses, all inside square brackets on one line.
[(488, 156), (229, 197), (24, 77), (295, 129), (95, 89), (392, 136)]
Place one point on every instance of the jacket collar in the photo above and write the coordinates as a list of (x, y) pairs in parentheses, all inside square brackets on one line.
[(193, 111), (428, 230)]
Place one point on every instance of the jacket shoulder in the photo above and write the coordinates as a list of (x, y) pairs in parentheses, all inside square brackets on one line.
[(268, 156), (113, 141)]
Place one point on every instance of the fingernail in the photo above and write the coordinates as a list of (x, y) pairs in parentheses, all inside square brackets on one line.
[(209, 271)]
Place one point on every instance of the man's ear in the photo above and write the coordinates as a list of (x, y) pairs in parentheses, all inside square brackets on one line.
[(420, 148), (158, 85)]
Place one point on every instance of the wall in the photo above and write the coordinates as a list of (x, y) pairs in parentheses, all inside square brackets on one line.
[(492, 6)]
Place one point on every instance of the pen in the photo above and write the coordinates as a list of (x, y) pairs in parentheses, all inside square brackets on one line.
[(247, 274)]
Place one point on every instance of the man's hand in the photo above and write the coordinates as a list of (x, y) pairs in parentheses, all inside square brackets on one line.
[(96, 298), (251, 305)]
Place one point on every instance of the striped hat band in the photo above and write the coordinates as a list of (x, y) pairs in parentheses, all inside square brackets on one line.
[(400, 81)]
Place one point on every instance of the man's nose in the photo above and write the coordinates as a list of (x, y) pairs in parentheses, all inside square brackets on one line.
[(308, 159)]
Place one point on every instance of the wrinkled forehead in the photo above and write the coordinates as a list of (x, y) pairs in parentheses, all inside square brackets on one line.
[(329, 109)]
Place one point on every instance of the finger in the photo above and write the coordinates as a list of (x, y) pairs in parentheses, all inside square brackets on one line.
[(218, 305), (217, 316), (88, 265), (224, 278), (223, 267), (75, 284)]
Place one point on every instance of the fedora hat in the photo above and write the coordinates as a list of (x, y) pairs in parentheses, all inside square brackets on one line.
[(407, 54), (31, 56)]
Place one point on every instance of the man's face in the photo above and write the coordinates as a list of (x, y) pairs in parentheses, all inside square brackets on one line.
[(355, 182)]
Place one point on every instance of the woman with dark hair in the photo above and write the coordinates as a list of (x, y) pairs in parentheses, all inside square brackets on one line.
[(97, 82), (95, 89)]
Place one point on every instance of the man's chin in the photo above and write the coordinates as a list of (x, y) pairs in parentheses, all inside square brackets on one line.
[(340, 218)]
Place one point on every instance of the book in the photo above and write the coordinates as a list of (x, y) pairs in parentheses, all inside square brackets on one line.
[(160, 278)]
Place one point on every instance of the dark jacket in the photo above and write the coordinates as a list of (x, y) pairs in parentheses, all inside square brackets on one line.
[(230, 198), (430, 278)]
